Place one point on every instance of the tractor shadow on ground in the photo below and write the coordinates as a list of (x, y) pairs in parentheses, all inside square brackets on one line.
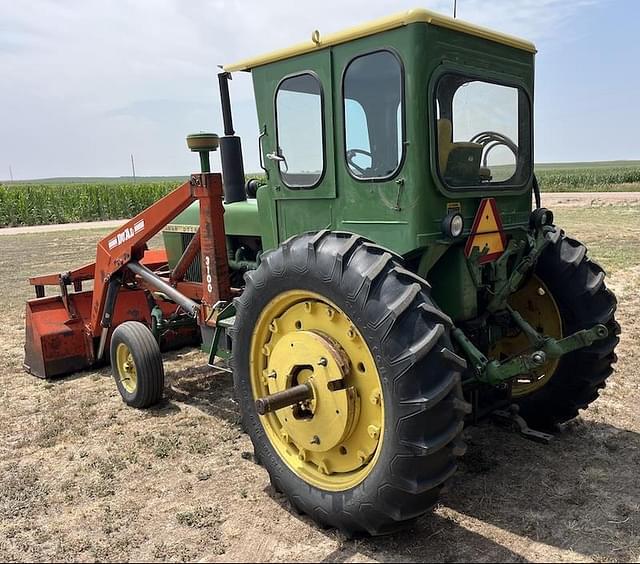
[(202, 387), (430, 539), (102, 370), (580, 494)]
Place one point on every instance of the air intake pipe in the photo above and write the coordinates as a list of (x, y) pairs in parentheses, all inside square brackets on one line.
[(230, 149)]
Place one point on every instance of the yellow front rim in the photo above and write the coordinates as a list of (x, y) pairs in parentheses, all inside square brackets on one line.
[(536, 304), (333, 440), (126, 368)]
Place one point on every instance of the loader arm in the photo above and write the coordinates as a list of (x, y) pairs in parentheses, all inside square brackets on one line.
[(129, 242), (61, 330)]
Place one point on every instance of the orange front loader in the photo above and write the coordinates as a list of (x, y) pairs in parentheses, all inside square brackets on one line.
[(71, 331)]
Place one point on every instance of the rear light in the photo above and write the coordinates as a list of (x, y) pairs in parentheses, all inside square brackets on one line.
[(540, 217), (453, 225)]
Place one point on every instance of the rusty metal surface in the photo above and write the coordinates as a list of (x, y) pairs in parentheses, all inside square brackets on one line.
[(213, 247), (58, 344)]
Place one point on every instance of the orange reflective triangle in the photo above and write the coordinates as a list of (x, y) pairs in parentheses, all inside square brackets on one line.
[(487, 232)]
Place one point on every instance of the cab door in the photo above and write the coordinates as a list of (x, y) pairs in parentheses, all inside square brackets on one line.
[(297, 144)]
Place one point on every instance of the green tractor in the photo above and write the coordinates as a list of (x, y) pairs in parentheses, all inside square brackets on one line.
[(392, 280), (396, 281)]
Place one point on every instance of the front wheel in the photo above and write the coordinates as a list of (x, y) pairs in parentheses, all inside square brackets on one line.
[(136, 364), (374, 444)]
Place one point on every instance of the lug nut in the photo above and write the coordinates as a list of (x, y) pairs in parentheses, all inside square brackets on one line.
[(315, 440), (539, 357), (374, 431), (322, 361)]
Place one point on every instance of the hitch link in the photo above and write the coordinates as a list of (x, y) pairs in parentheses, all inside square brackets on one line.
[(495, 372)]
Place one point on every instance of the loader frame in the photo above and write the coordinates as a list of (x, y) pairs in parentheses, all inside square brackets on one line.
[(71, 331)]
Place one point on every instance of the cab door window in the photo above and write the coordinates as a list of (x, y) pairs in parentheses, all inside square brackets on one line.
[(373, 115), (300, 131)]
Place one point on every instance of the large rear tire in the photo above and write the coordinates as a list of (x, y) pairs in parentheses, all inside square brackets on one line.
[(577, 287), (341, 292)]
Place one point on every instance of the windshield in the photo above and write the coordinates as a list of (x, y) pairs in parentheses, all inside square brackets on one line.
[(483, 133)]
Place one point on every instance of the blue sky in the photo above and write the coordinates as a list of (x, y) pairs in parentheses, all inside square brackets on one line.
[(84, 83)]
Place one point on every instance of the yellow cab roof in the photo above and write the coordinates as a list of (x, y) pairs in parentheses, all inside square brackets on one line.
[(417, 15)]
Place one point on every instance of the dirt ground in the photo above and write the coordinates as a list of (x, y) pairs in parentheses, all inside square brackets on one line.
[(83, 477)]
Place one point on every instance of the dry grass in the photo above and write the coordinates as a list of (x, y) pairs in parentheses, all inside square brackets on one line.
[(83, 477)]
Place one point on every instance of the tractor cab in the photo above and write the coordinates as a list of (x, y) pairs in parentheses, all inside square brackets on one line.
[(384, 128), (395, 130)]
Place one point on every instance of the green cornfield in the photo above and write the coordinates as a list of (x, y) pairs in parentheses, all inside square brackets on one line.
[(589, 178), (39, 204), (65, 201)]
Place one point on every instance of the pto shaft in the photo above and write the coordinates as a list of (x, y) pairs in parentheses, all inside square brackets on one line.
[(287, 397)]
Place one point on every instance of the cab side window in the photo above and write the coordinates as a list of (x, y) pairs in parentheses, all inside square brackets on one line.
[(372, 92), (300, 131)]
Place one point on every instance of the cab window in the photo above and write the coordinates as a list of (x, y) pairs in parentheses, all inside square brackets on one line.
[(483, 133), (373, 115), (300, 132)]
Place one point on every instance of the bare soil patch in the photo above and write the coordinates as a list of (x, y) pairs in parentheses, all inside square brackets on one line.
[(83, 477)]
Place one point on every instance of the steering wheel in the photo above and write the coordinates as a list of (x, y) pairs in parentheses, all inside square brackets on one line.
[(351, 154), (490, 140)]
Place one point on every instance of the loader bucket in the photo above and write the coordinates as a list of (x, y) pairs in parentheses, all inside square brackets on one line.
[(58, 338), (56, 342)]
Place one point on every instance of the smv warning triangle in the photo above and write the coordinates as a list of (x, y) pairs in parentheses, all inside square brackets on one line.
[(486, 232)]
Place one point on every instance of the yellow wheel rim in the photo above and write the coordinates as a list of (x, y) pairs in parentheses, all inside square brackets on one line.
[(126, 368), (333, 440), (536, 304)]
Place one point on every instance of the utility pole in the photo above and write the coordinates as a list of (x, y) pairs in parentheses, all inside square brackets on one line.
[(455, 8), (10, 173), (133, 168)]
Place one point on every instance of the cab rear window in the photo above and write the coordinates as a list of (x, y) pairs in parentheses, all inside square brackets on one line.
[(483, 133)]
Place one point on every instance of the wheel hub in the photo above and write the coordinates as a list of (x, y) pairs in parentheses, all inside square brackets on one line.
[(536, 304), (126, 368), (308, 357), (331, 439)]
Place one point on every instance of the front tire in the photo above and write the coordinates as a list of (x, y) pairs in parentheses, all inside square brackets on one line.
[(403, 357), (136, 364)]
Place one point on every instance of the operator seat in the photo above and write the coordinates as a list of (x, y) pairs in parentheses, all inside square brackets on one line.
[(459, 161)]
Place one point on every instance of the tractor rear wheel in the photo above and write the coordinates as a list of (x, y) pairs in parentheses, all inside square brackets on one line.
[(136, 364), (568, 295), (373, 446)]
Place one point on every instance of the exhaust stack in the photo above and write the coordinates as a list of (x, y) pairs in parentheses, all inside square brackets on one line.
[(230, 149)]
